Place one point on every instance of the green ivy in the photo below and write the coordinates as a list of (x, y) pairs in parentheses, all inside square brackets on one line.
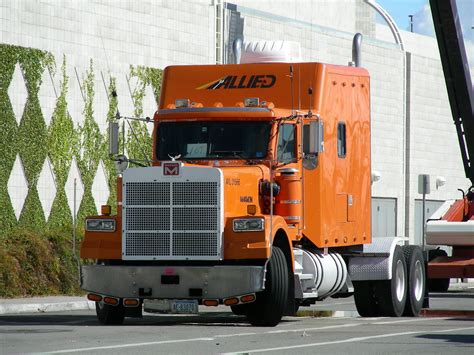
[(108, 163), (140, 143), (8, 132), (89, 150), (34, 142), (62, 138)]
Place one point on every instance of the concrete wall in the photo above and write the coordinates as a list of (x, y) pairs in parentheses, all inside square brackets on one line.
[(116, 34)]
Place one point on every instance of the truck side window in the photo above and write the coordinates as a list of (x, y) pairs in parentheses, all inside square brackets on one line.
[(286, 143), (306, 139), (341, 140)]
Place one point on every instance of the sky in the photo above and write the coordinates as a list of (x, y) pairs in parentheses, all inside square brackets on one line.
[(423, 22)]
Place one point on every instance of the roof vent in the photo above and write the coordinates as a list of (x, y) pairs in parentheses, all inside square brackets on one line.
[(270, 51)]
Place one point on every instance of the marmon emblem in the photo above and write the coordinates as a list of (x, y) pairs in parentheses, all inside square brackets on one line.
[(170, 169)]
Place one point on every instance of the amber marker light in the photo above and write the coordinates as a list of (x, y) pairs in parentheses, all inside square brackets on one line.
[(106, 210), (131, 302), (210, 303), (93, 297), (110, 300), (231, 301), (247, 298), (251, 209)]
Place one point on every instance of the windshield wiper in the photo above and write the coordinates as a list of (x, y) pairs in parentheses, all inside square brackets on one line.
[(228, 153)]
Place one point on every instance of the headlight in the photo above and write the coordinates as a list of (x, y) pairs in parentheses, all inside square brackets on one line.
[(100, 225), (248, 224)]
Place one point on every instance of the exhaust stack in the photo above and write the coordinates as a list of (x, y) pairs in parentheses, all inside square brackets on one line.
[(356, 55), (237, 50)]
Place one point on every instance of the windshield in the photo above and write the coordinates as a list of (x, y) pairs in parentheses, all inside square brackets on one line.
[(213, 140)]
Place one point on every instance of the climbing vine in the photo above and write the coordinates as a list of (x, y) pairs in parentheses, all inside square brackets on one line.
[(61, 141), (89, 151), (140, 143)]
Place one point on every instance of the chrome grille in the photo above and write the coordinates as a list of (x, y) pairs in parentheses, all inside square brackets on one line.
[(147, 244), (148, 193), (148, 218), (202, 244), (174, 218), (194, 218), (194, 193)]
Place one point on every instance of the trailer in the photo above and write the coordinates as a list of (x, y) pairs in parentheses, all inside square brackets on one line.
[(453, 223)]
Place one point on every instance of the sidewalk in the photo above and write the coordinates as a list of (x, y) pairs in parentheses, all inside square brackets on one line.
[(44, 304)]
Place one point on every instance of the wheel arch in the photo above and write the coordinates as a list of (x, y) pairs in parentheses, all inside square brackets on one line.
[(282, 241)]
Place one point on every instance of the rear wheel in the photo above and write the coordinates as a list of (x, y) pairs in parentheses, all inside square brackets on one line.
[(416, 280), (270, 305), (364, 297), (110, 315), (391, 294)]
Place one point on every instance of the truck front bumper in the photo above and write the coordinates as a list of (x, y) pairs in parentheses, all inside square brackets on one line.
[(193, 282)]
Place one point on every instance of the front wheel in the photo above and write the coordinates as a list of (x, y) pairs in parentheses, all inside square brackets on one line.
[(364, 297), (110, 315), (270, 305), (239, 309)]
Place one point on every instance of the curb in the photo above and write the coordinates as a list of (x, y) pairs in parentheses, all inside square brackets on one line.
[(46, 307), (446, 313)]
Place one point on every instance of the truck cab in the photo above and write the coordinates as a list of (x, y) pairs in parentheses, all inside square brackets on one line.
[(258, 197)]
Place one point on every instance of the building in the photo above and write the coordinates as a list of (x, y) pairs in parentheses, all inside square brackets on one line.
[(412, 129)]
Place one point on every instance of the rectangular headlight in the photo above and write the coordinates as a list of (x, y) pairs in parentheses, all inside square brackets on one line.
[(100, 225), (248, 224)]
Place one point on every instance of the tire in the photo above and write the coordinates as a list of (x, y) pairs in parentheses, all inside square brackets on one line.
[(391, 294), (110, 315), (416, 280), (240, 309), (364, 297), (437, 285), (270, 305)]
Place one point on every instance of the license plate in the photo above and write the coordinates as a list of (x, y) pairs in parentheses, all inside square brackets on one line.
[(184, 306)]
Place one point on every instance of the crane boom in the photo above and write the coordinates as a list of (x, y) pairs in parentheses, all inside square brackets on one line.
[(458, 79)]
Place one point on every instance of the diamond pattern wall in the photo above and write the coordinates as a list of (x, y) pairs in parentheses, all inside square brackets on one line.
[(125, 102), (47, 142), (47, 96), (46, 187), (101, 101), (149, 106), (75, 100), (100, 187), (74, 181), (17, 187), (18, 93)]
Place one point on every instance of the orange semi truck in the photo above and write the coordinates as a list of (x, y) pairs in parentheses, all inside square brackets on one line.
[(258, 197)]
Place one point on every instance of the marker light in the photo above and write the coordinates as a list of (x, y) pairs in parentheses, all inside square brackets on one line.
[(252, 102), (106, 210), (182, 103)]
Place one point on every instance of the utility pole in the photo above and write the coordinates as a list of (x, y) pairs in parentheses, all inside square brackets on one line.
[(411, 22)]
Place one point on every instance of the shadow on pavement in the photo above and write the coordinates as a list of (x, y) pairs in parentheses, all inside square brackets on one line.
[(450, 338), (51, 319)]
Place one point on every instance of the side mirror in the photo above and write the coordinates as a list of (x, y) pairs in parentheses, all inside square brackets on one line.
[(315, 137), (113, 138)]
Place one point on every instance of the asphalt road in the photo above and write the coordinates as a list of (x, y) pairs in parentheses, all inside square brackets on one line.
[(216, 330)]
